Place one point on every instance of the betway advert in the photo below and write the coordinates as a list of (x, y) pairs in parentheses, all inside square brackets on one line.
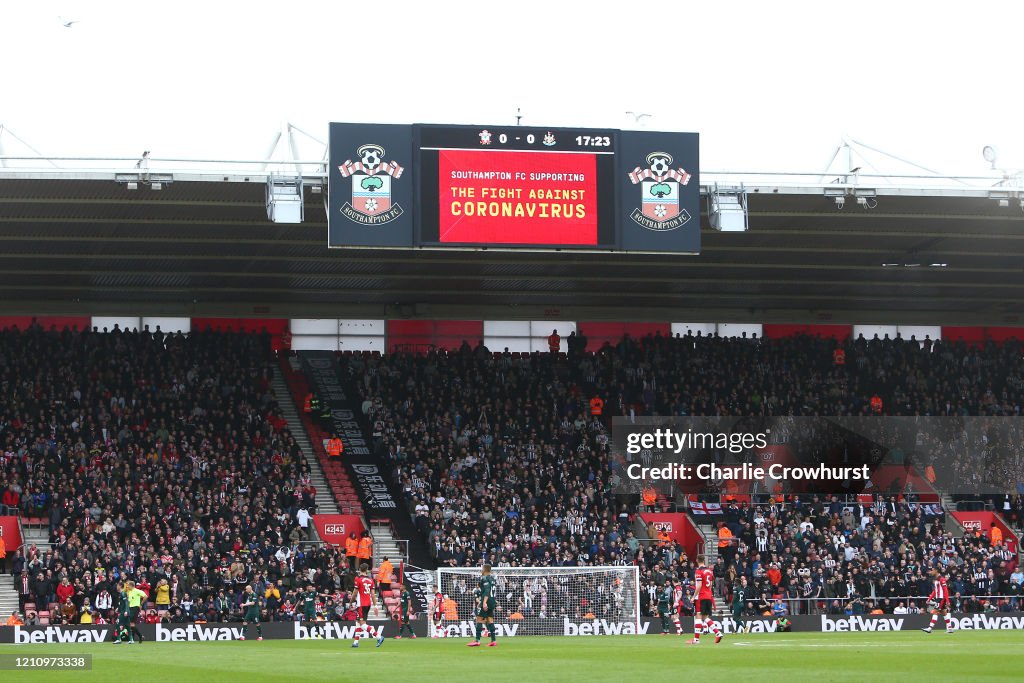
[(180, 633)]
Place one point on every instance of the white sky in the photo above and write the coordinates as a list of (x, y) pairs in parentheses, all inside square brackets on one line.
[(769, 86)]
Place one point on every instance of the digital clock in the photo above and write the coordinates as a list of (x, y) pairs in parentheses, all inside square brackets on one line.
[(594, 140)]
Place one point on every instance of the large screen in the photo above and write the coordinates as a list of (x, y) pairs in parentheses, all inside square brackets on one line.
[(517, 198), (493, 187), (516, 187)]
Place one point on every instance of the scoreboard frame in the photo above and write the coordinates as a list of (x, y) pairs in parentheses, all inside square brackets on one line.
[(385, 189)]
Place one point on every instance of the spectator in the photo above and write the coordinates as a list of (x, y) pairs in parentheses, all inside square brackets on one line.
[(68, 612), (302, 517), (163, 595), (65, 591), (554, 341), (272, 598)]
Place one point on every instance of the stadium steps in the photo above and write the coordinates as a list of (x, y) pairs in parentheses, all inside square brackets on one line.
[(35, 531), (326, 504), (384, 544), (8, 596), (338, 482), (36, 534), (710, 534), (416, 544), (949, 505)]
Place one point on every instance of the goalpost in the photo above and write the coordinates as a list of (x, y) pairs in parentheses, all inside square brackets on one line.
[(547, 601)]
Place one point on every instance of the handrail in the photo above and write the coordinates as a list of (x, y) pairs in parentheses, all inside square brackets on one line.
[(413, 348), (21, 532), (984, 505)]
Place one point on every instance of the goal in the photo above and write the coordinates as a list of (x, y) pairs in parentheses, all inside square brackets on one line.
[(548, 601)]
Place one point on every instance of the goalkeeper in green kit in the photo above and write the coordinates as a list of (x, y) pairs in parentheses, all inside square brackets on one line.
[(485, 614), (123, 632), (665, 597)]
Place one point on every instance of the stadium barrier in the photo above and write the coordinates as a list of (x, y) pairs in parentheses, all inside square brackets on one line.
[(345, 631), (798, 607), (166, 633)]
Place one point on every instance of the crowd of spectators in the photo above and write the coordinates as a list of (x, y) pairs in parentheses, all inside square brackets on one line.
[(163, 458), (822, 554), (157, 457), (506, 462)]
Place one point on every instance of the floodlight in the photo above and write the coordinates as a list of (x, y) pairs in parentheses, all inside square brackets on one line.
[(284, 199)]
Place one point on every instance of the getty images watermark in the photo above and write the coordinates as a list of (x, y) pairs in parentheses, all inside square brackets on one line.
[(818, 455), (691, 442)]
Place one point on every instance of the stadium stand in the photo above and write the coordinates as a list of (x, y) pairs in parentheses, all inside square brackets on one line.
[(504, 463), (155, 456), (165, 457)]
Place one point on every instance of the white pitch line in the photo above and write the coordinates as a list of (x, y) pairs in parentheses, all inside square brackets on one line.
[(797, 643)]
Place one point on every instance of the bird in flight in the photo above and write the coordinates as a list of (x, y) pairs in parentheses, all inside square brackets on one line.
[(68, 23)]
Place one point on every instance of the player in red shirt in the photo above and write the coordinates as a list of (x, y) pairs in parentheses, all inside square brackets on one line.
[(704, 605), (677, 607), (437, 616), (364, 591), (938, 601)]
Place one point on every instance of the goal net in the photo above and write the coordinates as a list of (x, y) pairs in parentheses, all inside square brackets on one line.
[(548, 601)]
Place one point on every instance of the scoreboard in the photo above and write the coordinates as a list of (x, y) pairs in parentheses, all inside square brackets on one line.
[(513, 187), (517, 186)]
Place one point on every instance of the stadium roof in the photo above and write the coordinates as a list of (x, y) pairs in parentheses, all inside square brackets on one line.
[(74, 240)]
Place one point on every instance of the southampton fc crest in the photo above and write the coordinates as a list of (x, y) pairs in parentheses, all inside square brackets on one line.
[(660, 185), (371, 187)]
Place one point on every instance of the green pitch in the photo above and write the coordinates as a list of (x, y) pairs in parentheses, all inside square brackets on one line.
[(975, 656)]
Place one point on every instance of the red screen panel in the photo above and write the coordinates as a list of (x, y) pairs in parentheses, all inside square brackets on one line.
[(47, 322), (597, 333), (543, 198), (838, 332), (443, 334)]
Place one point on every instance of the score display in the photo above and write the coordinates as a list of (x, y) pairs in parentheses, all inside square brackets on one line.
[(488, 187)]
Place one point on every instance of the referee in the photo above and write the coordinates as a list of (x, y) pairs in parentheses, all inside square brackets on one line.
[(135, 598)]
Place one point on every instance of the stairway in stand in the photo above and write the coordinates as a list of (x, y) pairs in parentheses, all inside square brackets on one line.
[(325, 502), (385, 544), (710, 534), (8, 597), (34, 532), (335, 478)]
